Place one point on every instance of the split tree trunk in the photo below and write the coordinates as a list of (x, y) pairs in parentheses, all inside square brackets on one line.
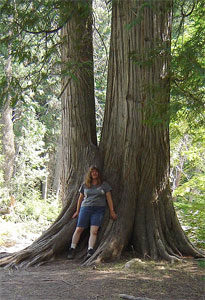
[(134, 151)]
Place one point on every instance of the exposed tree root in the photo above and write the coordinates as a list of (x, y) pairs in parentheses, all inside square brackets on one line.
[(44, 249), (166, 237)]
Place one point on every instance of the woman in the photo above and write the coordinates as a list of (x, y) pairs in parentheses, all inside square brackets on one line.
[(91, 208)]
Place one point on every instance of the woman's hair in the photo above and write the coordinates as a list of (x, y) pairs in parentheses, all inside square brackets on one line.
[(88, 178)]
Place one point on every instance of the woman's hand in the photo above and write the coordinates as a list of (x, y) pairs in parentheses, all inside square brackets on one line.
[(75, 215), (80, 199), (113, 215), (110, 204)]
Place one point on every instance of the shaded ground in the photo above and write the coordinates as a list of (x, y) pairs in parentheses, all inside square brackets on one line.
[(64, 279)]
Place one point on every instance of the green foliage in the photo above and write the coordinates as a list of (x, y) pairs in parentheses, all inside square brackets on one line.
[(187, 176), (186, 110), (194, 188), (4, 191), (201, 263), (28, 219), (33, 207), (101, 40), (30, 170), (192, 215), (35, 56), (34, 87), (188, 63)]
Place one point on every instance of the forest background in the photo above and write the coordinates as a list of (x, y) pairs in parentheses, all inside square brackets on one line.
[(30, 79)]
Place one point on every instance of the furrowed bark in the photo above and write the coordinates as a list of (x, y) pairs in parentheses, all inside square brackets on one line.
[(7, 131), (135, 137)]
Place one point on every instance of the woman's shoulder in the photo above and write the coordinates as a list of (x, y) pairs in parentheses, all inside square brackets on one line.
[(106, 185), (104, 182), (82, 187)]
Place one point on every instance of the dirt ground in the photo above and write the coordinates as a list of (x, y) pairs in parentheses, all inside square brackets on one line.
[(63, 279)]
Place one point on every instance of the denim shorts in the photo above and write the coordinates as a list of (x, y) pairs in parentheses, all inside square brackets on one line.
[(90, 216)]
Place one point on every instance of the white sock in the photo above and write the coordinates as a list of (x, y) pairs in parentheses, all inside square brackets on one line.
[(73, 246), (90, 248)]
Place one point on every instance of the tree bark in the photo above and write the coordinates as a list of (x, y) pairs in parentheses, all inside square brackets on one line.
[(57, 170), (79, 141), (8, 149), (135, 137)]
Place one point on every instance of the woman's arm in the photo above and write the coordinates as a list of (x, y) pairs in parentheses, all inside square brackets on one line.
[(110, 204), (80, 199)]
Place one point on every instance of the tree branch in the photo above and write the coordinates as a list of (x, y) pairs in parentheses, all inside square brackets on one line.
[(103, 44), (48, 31), (187, 14), (183, 15), (67, 83)]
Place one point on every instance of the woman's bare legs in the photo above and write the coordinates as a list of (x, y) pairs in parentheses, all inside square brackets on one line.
[(76, 236), (93, 236)]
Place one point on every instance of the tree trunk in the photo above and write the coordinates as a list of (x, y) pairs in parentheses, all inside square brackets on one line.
[(134, 147), (8, 148), (135, 139), (79, 141)]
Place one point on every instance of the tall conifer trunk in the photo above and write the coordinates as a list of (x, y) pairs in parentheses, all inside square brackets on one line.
[(135, 138), (8, 149), (79, 139), (134, 150)]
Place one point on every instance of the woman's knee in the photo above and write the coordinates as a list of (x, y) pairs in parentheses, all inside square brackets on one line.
[(79, 230), (94, 230)]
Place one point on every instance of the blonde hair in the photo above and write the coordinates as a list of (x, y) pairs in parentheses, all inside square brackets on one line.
[(88, 178)]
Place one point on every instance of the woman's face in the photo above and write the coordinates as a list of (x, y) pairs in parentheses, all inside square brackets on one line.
[(94, 174)]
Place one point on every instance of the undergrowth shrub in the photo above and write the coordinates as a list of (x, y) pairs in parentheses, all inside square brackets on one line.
[(192, 215)]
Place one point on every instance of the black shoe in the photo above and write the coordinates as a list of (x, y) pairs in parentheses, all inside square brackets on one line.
[(71, 253), (90, 253)]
